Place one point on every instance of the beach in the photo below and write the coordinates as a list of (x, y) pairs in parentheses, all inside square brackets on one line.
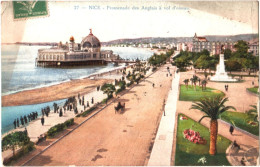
[(62, 90)]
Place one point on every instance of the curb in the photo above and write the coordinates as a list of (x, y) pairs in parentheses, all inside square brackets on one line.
[(241, 130), (257, 95)]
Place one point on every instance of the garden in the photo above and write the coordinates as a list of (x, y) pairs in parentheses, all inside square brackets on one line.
[(195, 94), (246, 121), (192, 153)]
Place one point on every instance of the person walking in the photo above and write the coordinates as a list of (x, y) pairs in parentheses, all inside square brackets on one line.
[(21, 118), (25, 119), (60, 114), (29, 118), (14, 124), (17, 122), (42, 121), (231, 129), (235, 145), (92, 100)]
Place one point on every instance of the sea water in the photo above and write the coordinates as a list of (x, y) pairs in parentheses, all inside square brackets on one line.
[(20, 73)]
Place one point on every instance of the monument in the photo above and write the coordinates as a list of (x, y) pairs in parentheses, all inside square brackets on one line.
[(221, 74)]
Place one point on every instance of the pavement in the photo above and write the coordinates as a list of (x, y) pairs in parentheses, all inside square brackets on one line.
[(35, 128), (161, 152)]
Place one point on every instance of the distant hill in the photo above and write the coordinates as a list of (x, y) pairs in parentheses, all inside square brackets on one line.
[(144, 40)]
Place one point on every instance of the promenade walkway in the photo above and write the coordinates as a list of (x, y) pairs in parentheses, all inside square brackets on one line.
[(35, 128), (161, 152)]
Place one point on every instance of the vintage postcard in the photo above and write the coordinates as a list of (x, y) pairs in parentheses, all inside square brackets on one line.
[(130, 83)]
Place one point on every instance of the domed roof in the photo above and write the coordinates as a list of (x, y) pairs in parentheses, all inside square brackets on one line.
[(90, 41)]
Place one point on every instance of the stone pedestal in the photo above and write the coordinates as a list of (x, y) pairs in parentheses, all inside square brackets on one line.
[(221, 74)]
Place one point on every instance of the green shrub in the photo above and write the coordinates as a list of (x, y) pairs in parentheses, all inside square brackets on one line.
[(59, 127), (129, 84), (23, 151), (88, 111), (69, 122)]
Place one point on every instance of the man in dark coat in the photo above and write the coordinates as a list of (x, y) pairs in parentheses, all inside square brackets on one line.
[(14, 123), (25, 119), (60, 114), (231, 129), (21, 118), (17, 122), (42, 121)]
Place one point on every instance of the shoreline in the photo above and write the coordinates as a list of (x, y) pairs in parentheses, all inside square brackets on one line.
[(63, 89)]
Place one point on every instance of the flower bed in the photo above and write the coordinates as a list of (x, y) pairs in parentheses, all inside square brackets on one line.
[(193, 136)]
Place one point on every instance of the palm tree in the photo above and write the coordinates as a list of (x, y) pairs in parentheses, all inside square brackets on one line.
[(205, 74), (253, 112), (212, 107), (191, 80), (186, 81), (195, 80), (108, 89), (203, 83)]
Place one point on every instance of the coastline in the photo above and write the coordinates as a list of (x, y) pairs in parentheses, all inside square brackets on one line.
[(59, 91), (46, 93)]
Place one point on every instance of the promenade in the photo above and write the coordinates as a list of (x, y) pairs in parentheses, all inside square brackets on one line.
[(162, 148), (111, 138)]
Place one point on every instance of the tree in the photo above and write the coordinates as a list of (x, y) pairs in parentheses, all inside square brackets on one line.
[(14, 140), (233, 65), (203, 84), (241, 49), (227, 53), (192, 81), (253, 112), (212, 107), (108, 89), (195, 80), (205, 74), (186, 81)]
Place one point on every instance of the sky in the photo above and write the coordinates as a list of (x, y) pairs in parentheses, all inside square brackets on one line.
[(164, 19)]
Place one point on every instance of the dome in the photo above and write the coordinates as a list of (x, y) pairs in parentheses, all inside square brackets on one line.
[(90, 41)]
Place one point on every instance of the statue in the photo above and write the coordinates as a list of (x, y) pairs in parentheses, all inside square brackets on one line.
[(221, 74), (222, 49)]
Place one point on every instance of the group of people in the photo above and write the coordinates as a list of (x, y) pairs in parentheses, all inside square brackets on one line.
[(226, 87), (25, 119), (236, 145), (46, 111)]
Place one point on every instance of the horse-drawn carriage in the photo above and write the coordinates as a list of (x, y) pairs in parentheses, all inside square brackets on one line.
[(120, 107)]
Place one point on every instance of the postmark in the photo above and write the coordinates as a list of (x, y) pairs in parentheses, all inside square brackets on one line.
[(29, 9)]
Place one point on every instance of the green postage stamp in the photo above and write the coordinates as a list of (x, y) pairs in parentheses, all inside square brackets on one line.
[(28, 9)]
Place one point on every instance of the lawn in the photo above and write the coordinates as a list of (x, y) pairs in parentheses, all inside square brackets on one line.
[(240, 120), (191, 95), (253, 89), (188, 153)]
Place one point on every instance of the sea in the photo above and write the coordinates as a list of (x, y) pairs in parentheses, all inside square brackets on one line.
[(19, 73)]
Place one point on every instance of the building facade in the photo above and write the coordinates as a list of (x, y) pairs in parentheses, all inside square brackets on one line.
[(254, 47), (84, 53), (201, 43)]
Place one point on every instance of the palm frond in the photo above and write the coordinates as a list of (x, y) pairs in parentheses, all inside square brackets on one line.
[(203, 118)]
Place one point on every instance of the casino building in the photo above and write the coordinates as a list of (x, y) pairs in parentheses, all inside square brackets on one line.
[(88, 52)]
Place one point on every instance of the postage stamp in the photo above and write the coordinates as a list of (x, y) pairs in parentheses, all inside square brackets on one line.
[(29, 9)]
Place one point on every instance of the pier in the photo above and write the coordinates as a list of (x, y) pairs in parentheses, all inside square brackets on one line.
[(51, 63)]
